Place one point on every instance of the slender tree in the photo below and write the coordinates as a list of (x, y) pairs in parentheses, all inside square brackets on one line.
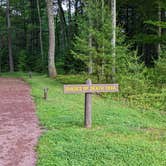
[(113, 11), (159, 28), (69, 21), (63, 25), (40, 27), (11, 64), (51, 52), (90, 67)]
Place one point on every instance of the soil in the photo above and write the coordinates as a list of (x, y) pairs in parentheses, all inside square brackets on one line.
[(19, 126)]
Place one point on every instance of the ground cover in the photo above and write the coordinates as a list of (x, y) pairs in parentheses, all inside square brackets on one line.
[(120, 136)]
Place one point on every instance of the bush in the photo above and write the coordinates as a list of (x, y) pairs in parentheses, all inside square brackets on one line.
[(22, 60), (150, 100), (160, 69)]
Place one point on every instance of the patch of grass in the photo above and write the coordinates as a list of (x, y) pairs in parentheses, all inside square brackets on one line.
[(120, 136)]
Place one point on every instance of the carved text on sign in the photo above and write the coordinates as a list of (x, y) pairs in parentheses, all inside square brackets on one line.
[(91, 88)]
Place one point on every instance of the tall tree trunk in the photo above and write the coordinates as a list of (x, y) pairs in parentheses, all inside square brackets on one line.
[(90, 68), (75, 16), (63, 26), (40, 28), (69, 23), (51, 53), (113, 10), (159, 29), (11, 64)]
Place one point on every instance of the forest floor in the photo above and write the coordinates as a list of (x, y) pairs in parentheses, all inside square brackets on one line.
[(19, 129), (120, 135)]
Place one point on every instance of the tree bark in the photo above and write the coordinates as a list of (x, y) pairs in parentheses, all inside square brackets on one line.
[(63, 25), (11, 64), (90, 68), (69, 22), (159, 29), (40, 29), (51, 53), (113, 11)]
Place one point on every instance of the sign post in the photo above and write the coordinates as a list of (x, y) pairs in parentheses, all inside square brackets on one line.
[(88, 89), (88, 107)]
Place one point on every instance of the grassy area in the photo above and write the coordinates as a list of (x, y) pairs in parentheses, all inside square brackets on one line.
[(120, 136)]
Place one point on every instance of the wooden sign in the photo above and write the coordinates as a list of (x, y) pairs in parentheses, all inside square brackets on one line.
[(88, 89), (93, 88)]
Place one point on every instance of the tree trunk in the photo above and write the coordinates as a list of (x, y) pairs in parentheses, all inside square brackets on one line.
[(103, 48), (113, 10), (40, 29), (90, 68), (69, 23), (11, 65), (51, 52), (63, 26), (159, 29)]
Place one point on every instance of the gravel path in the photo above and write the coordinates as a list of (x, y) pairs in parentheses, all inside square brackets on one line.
[(19, 128)]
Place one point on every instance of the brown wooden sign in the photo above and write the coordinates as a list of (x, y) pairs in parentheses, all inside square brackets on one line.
[(88, 89), (91, 88)]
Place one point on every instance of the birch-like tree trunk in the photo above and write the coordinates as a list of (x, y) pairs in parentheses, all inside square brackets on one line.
[(90, 68), (69, 22), (40, 29), (11, 64), (103, 49), (51, 53), (113, 11), (159, 29)]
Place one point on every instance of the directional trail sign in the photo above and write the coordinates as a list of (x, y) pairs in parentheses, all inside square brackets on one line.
[(91, 88), (88, 89)]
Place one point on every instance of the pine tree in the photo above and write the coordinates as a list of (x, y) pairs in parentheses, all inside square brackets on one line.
[(93, 45)]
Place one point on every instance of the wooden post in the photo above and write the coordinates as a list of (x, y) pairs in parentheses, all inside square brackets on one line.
[(88, 107), (89, 89), (45, 93)]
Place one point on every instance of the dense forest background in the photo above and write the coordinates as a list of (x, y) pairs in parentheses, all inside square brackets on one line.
[(83, 42), (52, 43), (143, 24)]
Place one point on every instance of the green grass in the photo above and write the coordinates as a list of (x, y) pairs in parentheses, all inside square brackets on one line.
[(120, 136)]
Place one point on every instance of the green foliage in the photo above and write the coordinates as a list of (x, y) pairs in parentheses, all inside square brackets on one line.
[(22, 56), (94, 26), (132, 85), (97, 27), (148, 38), (160, 69), (120, 135), (156, 23), (149, 101)]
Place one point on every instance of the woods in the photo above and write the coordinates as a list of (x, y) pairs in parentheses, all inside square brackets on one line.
[(24, 31), (64, 55), (111, 41)]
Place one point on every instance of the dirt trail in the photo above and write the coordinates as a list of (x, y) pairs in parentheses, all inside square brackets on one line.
[(19, 128)]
